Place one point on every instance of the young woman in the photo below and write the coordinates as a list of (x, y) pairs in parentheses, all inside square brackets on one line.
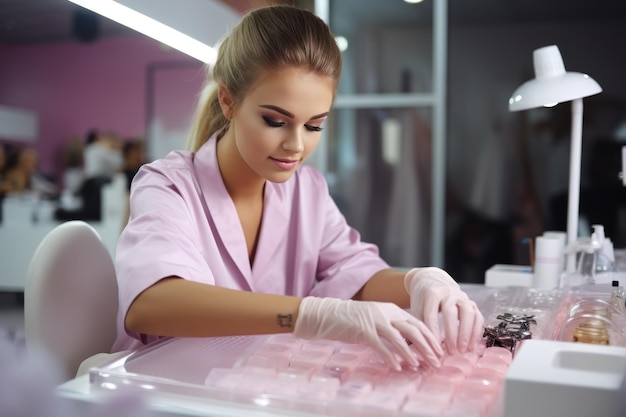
[(238, 237)]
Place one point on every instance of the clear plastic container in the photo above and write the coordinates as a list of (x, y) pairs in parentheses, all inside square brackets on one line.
[(270, 373), (593, 314)]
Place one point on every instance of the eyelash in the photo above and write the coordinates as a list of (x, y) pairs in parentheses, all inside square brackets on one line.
[(273, 123)]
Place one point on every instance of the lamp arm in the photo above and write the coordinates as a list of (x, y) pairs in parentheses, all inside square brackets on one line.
[(575, 163)]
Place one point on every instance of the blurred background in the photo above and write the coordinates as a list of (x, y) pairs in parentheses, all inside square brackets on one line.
[(421, 153)]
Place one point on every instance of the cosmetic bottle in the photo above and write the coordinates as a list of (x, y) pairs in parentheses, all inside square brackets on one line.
[(605, 258), (594, 262)]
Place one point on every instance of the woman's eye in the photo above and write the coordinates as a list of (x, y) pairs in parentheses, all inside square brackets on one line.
[(314, 128), (273, 123)]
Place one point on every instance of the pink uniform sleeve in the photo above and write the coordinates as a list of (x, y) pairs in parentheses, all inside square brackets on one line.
[(345, 262), (160, 239)]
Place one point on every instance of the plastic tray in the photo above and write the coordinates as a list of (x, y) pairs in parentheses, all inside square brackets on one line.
[(270, 372)]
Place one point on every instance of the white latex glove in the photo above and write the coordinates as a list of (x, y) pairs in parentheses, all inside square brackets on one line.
[(369, 323), (432, 291)]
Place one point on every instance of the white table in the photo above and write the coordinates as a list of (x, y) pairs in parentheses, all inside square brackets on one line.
[(82, 392), (78, 394)]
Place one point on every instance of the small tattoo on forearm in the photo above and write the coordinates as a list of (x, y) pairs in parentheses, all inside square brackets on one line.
[(284, 320)]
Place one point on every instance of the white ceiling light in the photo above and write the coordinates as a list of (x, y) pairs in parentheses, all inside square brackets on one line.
[(159, 21)]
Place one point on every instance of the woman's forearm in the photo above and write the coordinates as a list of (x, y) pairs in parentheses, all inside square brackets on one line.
[(178, 307), (386, 285)]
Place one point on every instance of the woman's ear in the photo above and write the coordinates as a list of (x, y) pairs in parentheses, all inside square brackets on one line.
[(226, 101)]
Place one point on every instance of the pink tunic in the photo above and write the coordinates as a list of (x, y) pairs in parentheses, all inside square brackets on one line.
[(184, 223)]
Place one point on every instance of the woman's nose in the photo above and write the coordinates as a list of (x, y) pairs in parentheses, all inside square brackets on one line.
[(294, 143)]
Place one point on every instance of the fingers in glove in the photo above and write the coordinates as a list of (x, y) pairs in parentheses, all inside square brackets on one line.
[(388, 356), (423, 340), (395, 337), (430, 313), (450, 316), (479, 326), (467, 321)]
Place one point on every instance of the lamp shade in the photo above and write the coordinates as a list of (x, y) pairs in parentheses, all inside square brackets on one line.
[(552, 84)]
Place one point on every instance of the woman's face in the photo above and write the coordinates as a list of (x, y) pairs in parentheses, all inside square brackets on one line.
[(28, 160), (278, 124)]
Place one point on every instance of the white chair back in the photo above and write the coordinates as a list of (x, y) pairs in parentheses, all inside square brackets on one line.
[(70, 297)]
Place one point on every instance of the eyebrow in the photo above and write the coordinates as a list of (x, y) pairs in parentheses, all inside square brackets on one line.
[(289, 114)]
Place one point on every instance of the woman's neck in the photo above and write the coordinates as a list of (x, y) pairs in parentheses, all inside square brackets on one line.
[(241, 182)]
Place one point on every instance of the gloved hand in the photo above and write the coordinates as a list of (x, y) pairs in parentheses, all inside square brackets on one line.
[(369, 323), (432, 291)]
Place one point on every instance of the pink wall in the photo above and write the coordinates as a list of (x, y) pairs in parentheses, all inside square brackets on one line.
[(76, 87)]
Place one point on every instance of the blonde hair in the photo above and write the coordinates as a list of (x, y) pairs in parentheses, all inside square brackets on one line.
[(267, 38)]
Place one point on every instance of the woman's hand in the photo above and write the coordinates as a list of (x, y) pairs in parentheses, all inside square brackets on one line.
[(433, 291), (370, 323)]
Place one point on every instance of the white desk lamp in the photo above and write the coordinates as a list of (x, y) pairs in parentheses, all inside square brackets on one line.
[(552, 85)]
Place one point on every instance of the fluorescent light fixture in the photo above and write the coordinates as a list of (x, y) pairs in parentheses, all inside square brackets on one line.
[(151, 27), (552, 85)]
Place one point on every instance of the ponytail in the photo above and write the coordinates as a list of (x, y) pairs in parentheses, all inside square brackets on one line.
[(208, 118)]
